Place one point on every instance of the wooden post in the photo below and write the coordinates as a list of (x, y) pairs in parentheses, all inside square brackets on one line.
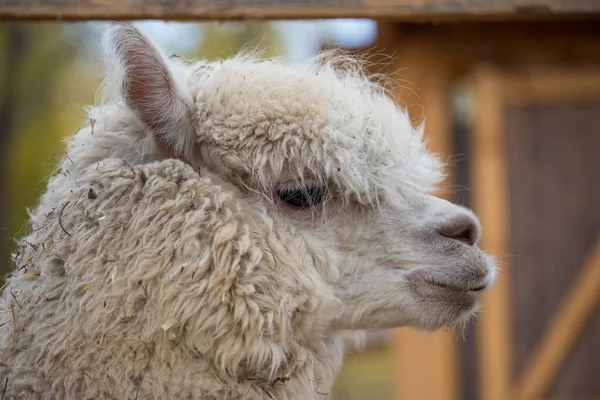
[(425, 363), (490, 202)]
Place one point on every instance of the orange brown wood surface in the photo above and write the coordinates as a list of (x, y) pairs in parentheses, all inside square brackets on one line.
[(552, 86), (490, 203), (424, 363), (545, 145), (554, 67), (565, 328), (251, 9), (522, 46), (554, 164)]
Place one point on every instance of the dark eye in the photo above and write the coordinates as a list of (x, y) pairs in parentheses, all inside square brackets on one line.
[(302, 198)]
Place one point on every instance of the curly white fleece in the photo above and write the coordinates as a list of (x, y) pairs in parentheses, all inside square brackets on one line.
[(161, 263), (157, 282)]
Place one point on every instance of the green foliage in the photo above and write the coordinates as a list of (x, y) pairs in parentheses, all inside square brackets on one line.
[(365, 375), (223, 40), (33, 118), (47, 77)]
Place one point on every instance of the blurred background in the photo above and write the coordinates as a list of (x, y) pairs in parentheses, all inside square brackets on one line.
[(514, 108)]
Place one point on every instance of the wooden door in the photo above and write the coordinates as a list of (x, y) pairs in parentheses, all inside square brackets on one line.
[(536, 186)]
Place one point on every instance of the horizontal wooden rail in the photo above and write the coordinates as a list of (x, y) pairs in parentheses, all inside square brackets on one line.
[(294, 9)]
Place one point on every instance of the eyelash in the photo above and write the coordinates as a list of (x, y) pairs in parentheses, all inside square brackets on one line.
[(302, 198)]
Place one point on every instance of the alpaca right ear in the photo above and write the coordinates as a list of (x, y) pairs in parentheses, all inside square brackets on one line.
[(150, 85)]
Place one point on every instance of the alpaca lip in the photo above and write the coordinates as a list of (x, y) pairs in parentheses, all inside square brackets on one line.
[(423, 277), (444, 294), (478, 288)]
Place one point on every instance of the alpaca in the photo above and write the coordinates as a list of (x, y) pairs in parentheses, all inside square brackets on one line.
[(220, 229)]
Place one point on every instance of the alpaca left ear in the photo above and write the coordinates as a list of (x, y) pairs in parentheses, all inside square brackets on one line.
[(152, 88), (420, 129)]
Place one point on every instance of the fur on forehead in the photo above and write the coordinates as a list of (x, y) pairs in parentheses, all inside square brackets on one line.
[(271, 121), (323, 120)]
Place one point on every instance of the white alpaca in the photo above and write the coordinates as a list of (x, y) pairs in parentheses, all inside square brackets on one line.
[(220, 227)]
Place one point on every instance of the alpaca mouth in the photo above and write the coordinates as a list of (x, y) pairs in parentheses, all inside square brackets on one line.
[(459, 288), (474, 285)]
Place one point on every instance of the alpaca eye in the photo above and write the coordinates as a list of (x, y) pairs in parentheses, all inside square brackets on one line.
[(302, 198)]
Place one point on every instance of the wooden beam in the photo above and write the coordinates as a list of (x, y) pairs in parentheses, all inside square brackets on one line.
[(296, 9), (516, 45), (424, 364), (541, 87), (490, 202), (564, 329)]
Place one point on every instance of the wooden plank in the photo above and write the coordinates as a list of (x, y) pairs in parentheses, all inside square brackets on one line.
[(541, 87), (573, 398), (563, 330), (490, 202), (297, 9), (552, 162)]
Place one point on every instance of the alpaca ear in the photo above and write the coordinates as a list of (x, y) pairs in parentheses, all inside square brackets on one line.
[(150, 85), (420, 129)]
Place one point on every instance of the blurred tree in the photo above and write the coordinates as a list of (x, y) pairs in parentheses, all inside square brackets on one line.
[(40, 87), (36, 56), (13, 37), (366, 374), (222, 40)]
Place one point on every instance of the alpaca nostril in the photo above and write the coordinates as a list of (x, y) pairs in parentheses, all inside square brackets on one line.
[(466, 235), (464, 229)]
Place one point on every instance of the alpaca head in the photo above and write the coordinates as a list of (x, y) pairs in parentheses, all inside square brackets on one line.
[(325, 154)]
